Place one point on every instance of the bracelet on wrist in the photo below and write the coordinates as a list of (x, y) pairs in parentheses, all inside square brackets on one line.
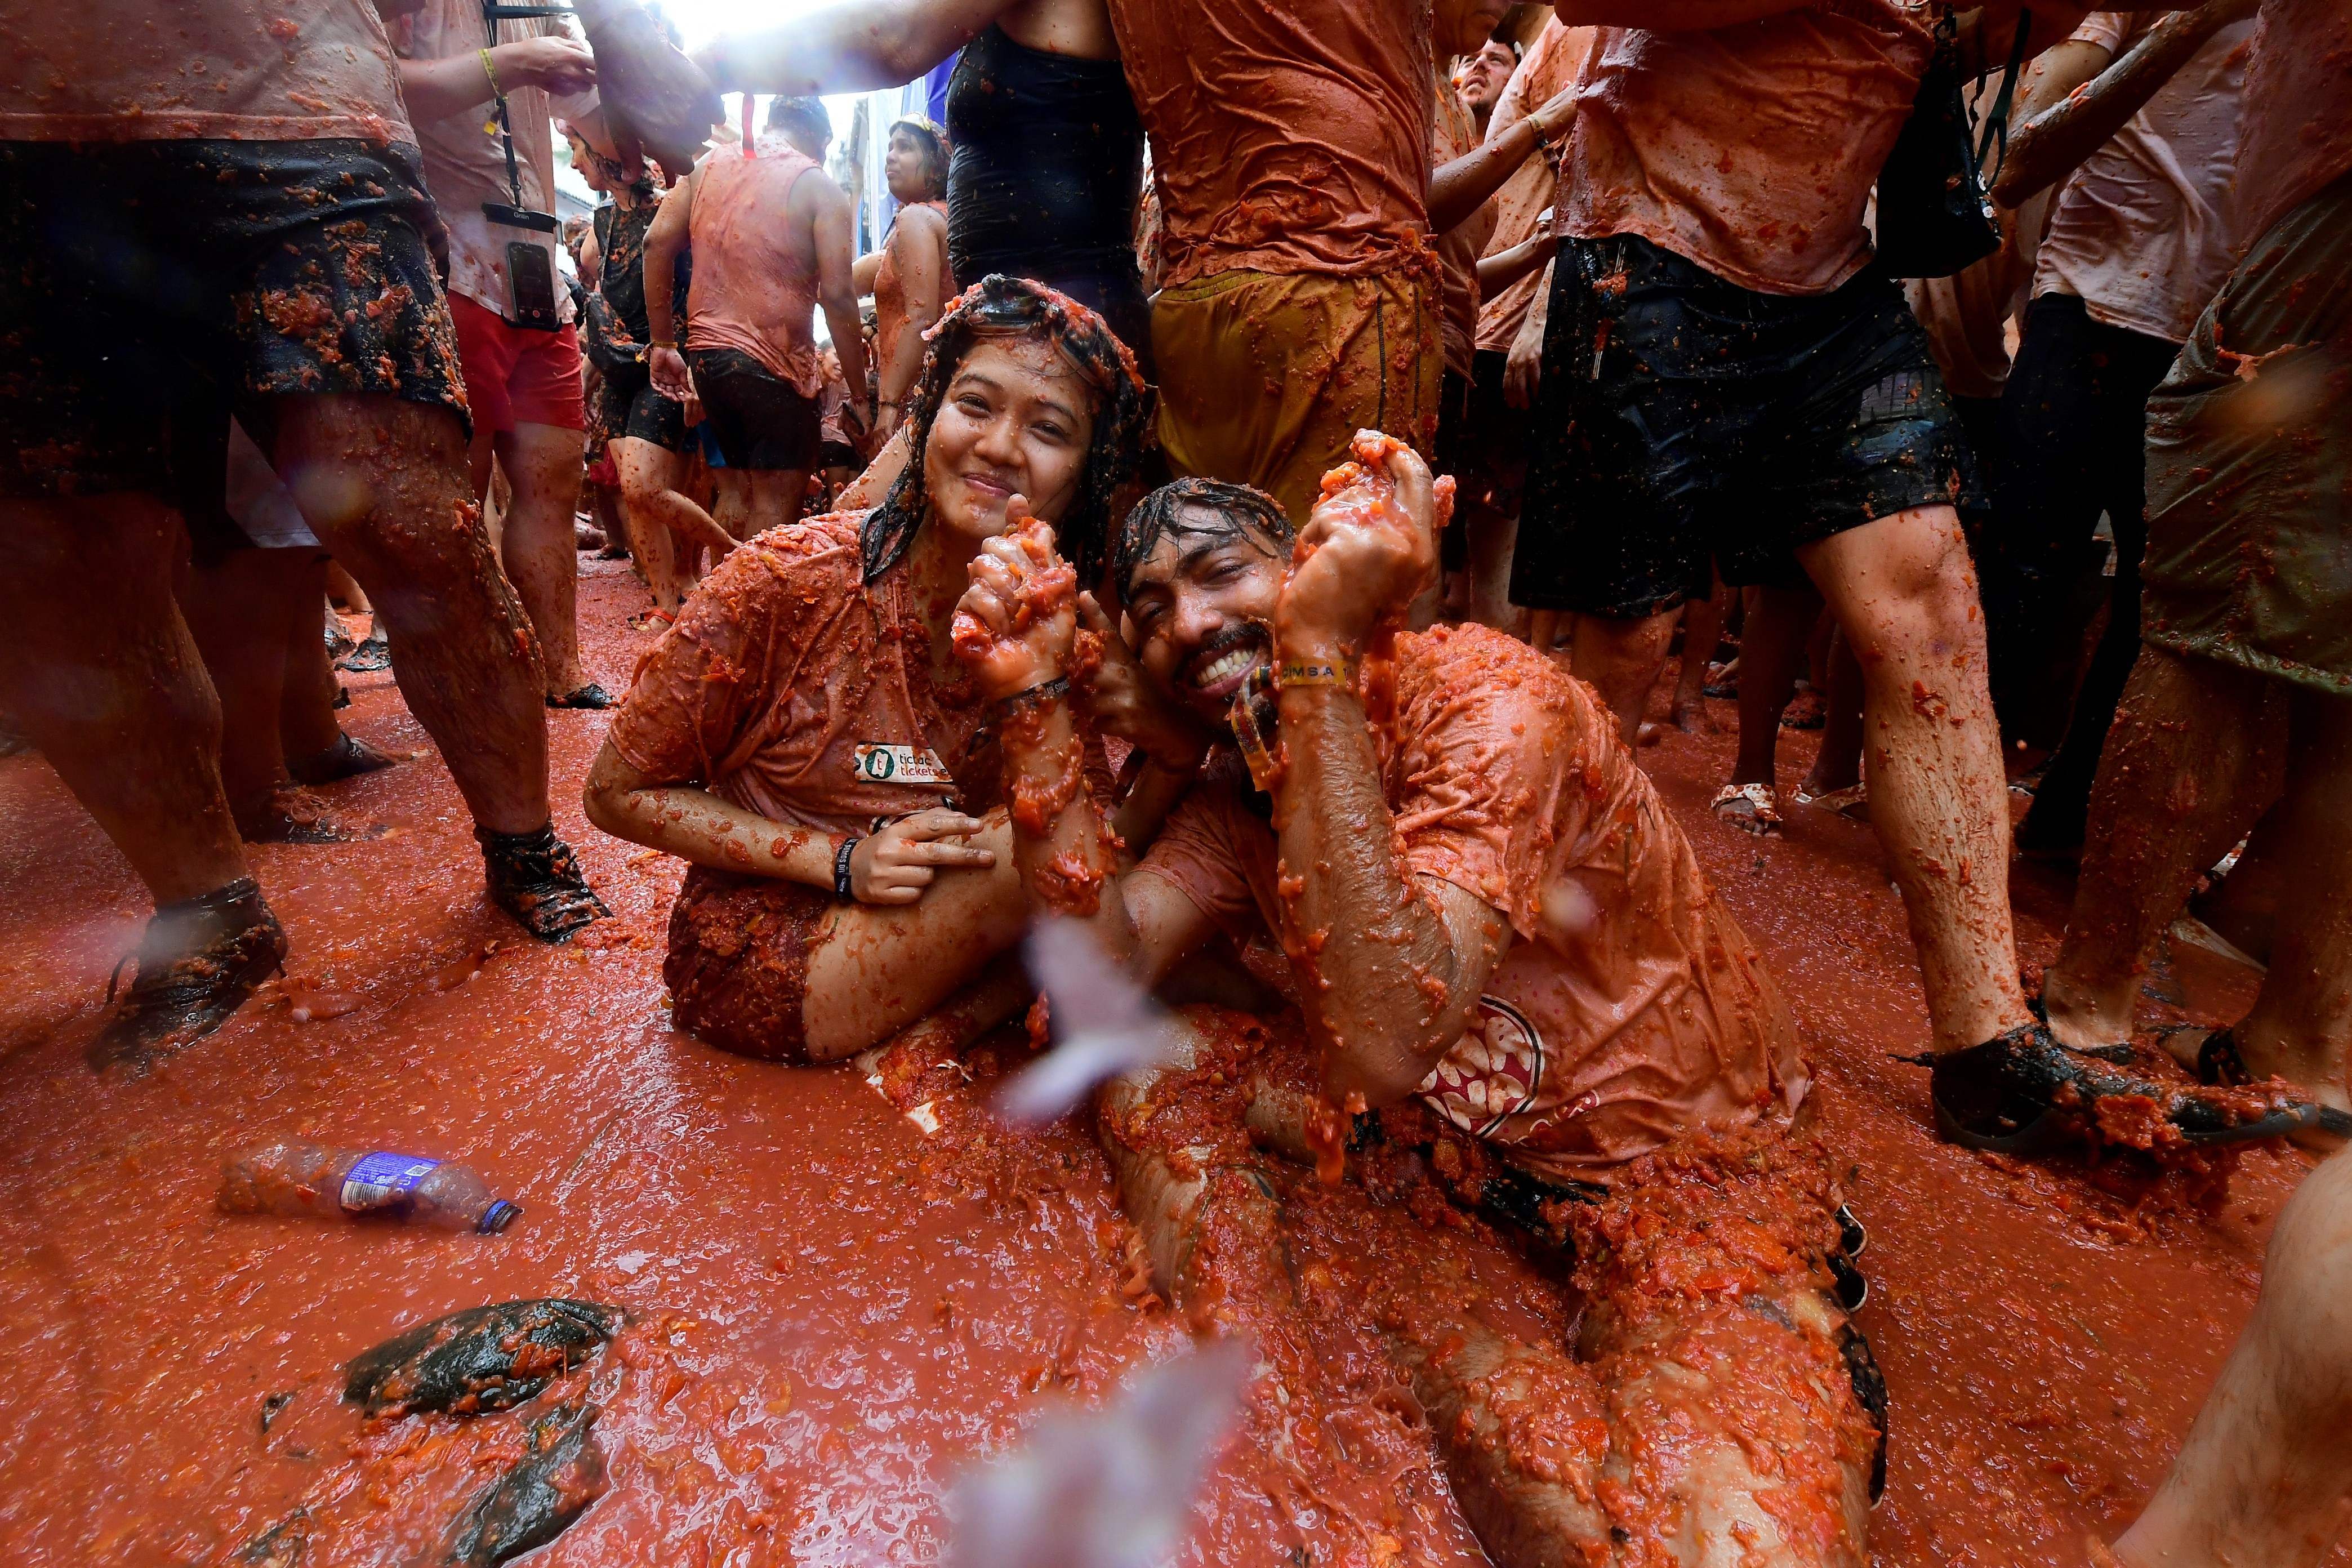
[(1337, 673), (841, 865), (1044, 691), (492, 71), (670, 343)]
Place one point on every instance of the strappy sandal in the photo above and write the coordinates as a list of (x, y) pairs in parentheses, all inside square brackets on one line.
[(590, 696), (2021, 1092), (199, 961), (1750, 808), (1852, 802), (2217, 1060), (535, 878), (370, 656), (652, 620)]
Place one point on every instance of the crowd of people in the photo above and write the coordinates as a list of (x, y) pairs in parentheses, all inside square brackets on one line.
[(1285, 447)]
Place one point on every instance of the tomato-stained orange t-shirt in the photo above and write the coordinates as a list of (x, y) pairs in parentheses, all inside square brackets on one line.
[(1630, 1008), (1286, 135), (791, 688)]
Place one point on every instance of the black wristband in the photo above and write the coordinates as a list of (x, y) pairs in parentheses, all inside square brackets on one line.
[(841, 866), (1044, 691)]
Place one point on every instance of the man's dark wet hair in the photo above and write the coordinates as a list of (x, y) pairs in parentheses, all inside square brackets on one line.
[(1176, 508), (805, 115), (1001, 307)]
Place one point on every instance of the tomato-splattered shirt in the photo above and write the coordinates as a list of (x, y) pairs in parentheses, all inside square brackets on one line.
[(1750, 150), (791, 688), (1291, 137), (2298, 136), (1631, 1009), (751, 292), (293, 70)]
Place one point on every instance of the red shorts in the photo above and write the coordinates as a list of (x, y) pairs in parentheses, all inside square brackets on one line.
[(518, 375)]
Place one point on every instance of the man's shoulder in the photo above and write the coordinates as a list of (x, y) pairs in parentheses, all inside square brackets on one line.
[(1470, 663)]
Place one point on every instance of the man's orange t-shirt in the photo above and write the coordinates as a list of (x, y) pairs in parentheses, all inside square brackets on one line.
[(1752, 149), (1631, 1009), (1286, 135)]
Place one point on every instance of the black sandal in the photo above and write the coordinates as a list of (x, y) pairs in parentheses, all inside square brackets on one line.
[(199, 961), (2219, 1061), (589, 696), (535, 878), (347, 758), (370, 656), (2022, 1092)]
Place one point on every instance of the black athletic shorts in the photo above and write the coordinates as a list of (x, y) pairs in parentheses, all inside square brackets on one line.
[(1683, 420), (758, 419), (628, 406), (153, 289)]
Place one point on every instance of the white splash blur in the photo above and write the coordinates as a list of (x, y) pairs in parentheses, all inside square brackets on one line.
[(1104, 1023), (1109, 1488), (1568, 908)]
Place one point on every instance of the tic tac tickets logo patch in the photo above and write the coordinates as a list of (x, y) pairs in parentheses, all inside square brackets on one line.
[(1494, 1071), (900, 765)]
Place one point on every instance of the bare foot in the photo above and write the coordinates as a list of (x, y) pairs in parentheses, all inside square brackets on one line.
[(1693, 719)]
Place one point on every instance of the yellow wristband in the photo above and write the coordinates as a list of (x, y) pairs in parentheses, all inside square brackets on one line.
[(492, 71), (1298, 674)]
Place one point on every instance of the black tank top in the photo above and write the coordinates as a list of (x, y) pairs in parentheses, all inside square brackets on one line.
[(1048, 165), (621, 241)]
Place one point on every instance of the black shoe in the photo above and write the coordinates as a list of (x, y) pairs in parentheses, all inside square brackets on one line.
[(199, 961), (347, 758), (1870, 1393), (535, 878), (368, 658), (589, 696), (2022, 1092)]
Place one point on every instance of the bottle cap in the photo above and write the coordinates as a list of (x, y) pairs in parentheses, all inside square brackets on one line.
[(497, 1216)]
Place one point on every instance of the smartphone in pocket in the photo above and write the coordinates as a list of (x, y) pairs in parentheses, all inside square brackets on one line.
[(530, 276)]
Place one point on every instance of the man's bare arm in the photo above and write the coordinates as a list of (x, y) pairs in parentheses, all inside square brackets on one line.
[(2051, 146), (666, 237), (665, 240), (832, 229), (435, 90), (852, 47), (1503, 268), (1391, 963), (1458, 190)]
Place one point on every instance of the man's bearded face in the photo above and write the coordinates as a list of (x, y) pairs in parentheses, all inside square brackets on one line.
[(1201, 606), (1489, 73)]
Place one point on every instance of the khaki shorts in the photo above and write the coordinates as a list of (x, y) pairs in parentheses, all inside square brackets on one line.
[(2250, 463), (1264, 378)]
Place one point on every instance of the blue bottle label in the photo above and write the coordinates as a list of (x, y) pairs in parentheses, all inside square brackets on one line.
[(383, 1180)]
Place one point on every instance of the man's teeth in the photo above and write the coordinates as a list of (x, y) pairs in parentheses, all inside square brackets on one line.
[(1225, 667)]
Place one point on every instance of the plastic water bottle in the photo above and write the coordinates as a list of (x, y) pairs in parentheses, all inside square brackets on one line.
[(307, 1179)]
